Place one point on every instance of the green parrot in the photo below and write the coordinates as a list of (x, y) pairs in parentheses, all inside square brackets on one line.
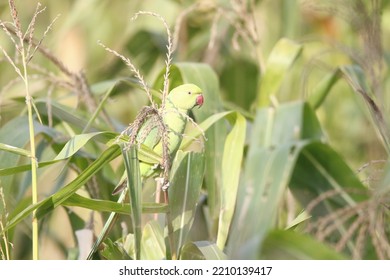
[(179, 101)]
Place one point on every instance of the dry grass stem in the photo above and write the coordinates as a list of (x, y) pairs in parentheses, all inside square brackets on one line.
[(360, 242), (214, 29), (350, 231), (365, 18), (132, 67), (350, 225), (15, 18), (331, 193), (240, 16), (6, 55), (8, 31), (37, 45), (335, 220), (169, 53), (379, 239), (26, 55), (179, 22), (370, 163), (31, 28)]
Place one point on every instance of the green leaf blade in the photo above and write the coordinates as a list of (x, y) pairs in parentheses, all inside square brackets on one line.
[(281, 58), (186, 181), (278, 136), (47, 205), (202, 250), (134, 184), (290, 245), (231, 169)]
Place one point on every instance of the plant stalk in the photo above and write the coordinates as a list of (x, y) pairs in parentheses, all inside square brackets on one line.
[(34, 162), (171, 237)]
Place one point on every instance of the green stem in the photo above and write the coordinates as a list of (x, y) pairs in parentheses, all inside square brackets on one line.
[(5, 255), (34, 162)]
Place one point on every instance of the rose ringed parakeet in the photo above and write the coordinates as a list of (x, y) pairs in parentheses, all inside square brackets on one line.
[(179, 101)]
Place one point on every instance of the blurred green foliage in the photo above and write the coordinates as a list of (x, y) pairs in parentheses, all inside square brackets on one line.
[(294, 142)]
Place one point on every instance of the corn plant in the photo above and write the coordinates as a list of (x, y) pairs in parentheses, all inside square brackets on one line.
[(286, 159)]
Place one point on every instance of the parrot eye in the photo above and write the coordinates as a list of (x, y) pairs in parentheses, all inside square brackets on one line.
[(189, 92)]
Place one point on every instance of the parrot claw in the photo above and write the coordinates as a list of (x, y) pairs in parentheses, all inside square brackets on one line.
[(160, 182), (165, 187)]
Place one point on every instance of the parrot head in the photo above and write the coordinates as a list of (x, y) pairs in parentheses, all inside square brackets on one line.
[(186, 97)]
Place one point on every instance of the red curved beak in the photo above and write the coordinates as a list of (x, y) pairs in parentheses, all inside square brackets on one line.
[(199, 100)]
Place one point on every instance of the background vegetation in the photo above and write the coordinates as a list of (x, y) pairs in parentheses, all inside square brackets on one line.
[(288, 160)]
